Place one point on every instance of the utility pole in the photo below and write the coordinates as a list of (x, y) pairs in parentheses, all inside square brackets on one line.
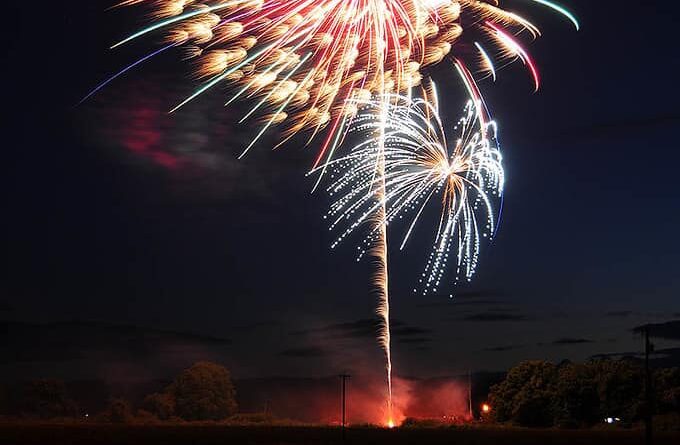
[(649, 396), (344, 378)]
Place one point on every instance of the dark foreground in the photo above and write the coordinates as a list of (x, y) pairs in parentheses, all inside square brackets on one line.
[(215, 434)]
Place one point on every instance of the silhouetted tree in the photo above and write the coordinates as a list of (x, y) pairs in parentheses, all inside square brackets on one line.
[(667, 385), (576, 399), (46, 398), (538, 393), (619, 386), (526, 395), (119, 410), (204, 392), (162, 405)]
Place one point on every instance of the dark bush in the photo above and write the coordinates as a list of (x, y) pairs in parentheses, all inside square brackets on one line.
[(162, 405), (204, 392), (45, 399), (119, 411)]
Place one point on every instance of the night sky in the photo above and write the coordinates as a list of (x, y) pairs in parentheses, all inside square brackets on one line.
[(118, 214)]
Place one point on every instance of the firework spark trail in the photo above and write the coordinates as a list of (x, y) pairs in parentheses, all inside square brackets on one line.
[(125, 70), (419, 165)]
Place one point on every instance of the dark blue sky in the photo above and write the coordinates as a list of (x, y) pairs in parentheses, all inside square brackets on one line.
[(116, 212)]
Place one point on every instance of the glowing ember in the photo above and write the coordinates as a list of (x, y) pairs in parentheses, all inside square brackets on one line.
[(486, 408), (390, 423)]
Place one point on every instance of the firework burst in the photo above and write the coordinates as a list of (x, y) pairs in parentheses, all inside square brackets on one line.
[(463, 178), (305, 63)]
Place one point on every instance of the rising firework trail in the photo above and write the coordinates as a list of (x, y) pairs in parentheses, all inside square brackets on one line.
[(381, 277)]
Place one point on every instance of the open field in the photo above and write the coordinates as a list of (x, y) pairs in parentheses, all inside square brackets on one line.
[(81, 434)]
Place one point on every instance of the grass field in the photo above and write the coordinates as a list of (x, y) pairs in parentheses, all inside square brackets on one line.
[(91, 434)]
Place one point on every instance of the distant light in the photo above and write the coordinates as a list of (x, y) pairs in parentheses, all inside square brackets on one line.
[(486, 408)]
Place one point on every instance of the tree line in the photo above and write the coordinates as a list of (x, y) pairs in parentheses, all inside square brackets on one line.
[(532, 394), (543, 394), (204, 391)]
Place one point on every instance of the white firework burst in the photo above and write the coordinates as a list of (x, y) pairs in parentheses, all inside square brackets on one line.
[(421, 169)]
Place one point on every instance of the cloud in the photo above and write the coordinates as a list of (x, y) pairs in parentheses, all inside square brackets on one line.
[(408, 331), (495, 317), (487, 297), (667, 358), (365, 328), (414, 340), (662, 358), (502, 348), (455, 303), (308, 352), (617, 355), (255, 326), (66, 341), (571, 341), (619, 314), (669, 330), (481, 293)]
